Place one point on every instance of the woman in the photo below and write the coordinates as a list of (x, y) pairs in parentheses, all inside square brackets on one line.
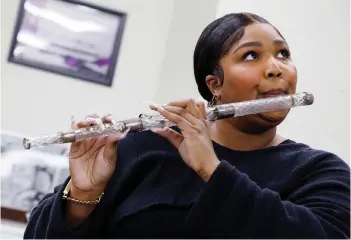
[(233, 178)]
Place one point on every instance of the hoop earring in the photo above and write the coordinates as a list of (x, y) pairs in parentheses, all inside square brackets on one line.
[(213, 101)]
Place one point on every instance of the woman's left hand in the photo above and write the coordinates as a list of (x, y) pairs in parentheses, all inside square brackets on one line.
[(194, 143)]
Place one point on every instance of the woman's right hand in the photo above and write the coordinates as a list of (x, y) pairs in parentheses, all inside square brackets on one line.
[(92, 162)]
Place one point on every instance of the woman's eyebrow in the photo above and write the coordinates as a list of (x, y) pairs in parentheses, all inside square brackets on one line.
[(279, 42), (249, 44), (258, 44)]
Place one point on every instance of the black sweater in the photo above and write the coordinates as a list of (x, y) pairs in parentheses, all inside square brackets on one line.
[(287, 191)]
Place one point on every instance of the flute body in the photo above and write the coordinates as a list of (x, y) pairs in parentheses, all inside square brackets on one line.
[(146, 122)]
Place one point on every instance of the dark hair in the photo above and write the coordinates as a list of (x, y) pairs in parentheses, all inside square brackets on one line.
[(214, 43)]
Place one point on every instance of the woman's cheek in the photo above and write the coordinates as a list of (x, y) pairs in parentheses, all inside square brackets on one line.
[(291, 77), (245, 81)]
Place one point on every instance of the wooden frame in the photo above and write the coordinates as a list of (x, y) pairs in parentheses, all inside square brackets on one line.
[(14, 215)]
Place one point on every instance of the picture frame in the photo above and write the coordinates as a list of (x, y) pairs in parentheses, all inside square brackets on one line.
[(68, 37)]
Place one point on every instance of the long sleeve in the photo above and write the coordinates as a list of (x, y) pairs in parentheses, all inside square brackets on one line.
[(232, 205), (47, 220)]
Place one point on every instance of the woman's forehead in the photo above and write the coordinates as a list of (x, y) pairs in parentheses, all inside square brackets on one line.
[(260, 32)]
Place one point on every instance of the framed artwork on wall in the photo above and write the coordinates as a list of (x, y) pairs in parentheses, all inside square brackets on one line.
[(68, 37)]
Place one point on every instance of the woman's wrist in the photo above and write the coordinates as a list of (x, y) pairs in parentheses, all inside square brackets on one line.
[(75, 212), (85, 195), (208, 169)]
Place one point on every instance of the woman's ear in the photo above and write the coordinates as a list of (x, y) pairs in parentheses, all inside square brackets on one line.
[(213, 83)]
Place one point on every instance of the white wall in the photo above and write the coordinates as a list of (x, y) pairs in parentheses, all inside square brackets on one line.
[(177, 79), (157, 46), (155, 63), (318, 32), (36, 102)]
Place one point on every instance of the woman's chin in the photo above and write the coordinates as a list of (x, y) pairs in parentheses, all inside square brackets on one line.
[(274, 117), (259, 123)]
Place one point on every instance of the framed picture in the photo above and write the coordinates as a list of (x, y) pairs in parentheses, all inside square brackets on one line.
[(68, 37)]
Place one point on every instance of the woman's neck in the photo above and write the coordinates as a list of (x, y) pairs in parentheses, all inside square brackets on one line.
[(226, 135)]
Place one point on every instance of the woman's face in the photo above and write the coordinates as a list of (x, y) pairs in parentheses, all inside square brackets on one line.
[(257, 66)]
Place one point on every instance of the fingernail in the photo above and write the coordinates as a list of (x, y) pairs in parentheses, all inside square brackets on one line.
[(99, 122), (153, 106), (157, 106), (73, 120), (125, 133), (89, 119), (86, 120), (110, 118)]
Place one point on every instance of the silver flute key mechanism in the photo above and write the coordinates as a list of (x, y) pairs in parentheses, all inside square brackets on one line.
[(146, 122)]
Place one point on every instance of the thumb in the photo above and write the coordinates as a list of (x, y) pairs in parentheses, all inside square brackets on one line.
[(111, 141), (174, 137)]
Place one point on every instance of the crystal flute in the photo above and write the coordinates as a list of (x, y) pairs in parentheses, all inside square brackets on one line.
[(146, 122)]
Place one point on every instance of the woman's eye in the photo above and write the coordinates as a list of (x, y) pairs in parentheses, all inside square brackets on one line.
[(284, 54), (250, 56)]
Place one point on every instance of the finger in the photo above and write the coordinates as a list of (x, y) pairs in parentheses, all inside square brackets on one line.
[(177, 118), (202, 108), (194, 109), (96, 121), (110, 149), (119, 135), (113, 138), (174, 137), (89, 120), (84, 123), (108, 119), (190, 114), (184, 103)]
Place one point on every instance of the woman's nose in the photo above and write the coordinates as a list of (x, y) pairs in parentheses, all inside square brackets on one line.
[(273, 70)]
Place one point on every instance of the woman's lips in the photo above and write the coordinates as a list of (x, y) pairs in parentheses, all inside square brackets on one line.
[(273, 93)]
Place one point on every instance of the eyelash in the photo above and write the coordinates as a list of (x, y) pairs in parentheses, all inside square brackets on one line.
[(253, 53), (285, 53)]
